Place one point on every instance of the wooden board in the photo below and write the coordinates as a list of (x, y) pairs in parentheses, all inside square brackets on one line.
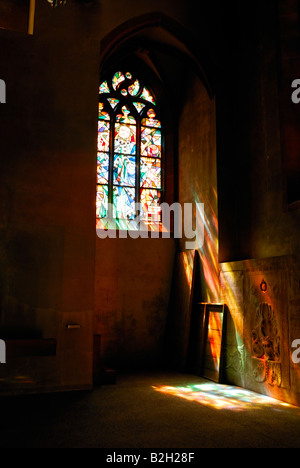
[(213, 342)]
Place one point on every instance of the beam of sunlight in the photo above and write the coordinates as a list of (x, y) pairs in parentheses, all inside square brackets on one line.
[(188, 263), (209, 249), (214, 338)]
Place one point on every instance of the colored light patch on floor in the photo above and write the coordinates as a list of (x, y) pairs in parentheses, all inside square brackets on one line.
[(223, 397)]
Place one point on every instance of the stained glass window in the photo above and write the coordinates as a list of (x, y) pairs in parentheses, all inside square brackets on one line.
[(129, 158)]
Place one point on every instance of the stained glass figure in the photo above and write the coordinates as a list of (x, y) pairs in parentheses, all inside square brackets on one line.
[(151, 173), (151, 142), (129, 157), (124, 170), (150, 201), (124, 203), (103, 136), (103, 168), (125, 139), (102, 201)]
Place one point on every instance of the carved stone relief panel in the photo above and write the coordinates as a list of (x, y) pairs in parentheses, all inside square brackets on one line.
[(266, 347)]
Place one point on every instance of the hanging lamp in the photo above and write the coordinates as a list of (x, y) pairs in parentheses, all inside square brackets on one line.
[(56, 3)]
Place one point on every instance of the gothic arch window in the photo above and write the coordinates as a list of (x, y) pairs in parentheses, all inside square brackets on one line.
[(129, 158)]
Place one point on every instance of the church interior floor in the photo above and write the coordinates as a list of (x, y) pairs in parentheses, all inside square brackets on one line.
[(150, 410)]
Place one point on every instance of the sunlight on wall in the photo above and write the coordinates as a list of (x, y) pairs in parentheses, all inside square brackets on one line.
[(188, 263), (224, 397), (231, 293), (209, 249), (214, 338)]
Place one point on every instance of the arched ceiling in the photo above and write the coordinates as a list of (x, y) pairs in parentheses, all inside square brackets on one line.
[(159, 44)]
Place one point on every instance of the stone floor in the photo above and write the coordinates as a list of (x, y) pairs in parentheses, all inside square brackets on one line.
[(153, 410)]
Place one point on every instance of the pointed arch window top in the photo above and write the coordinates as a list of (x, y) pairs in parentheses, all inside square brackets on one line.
[(125, 84)]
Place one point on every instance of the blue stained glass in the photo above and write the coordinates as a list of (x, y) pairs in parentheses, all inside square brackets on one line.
[(124, 203), (124, 170), (102, 168)]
